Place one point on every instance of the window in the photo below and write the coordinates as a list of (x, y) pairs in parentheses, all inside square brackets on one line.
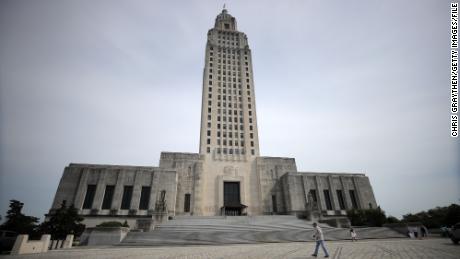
[(208, 150), (108, 197), (209, 133), (208, 141), (89, 197), (354, 202), (145, 198), (187, 202), (275, 207), (341, 200), (313, 195), (126, 199), (327, 198), (252, 152)]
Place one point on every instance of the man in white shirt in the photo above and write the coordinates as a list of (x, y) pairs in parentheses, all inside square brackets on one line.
[(319, 237)]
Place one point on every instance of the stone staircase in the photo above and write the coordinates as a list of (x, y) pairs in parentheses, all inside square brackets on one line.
[(191, 230)]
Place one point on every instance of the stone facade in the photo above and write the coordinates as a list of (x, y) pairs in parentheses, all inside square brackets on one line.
[(228, 176)]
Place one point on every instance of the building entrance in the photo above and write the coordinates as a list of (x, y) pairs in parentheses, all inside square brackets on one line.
[(232, 202)]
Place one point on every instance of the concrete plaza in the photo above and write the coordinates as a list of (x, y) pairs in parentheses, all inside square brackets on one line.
[(389, 248)]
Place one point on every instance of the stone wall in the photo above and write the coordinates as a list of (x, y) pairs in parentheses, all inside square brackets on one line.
[(76, 178), (269, 172), (268, 185), (189, 168), (297, 186)]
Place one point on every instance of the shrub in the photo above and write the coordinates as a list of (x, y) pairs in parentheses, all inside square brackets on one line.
[(110, 224)]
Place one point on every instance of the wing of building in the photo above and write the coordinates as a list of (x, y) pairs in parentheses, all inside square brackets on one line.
[(228, 176)]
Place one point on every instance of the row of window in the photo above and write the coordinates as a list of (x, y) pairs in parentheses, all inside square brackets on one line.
[(109, 193), (229, 111), (233, 151), (224, 134), (229, 97), (228, 50), (224, 55), (223, 78), (226, 61), (229, 42), (229, 67), (230, 142), (340, 198), (233, 68)]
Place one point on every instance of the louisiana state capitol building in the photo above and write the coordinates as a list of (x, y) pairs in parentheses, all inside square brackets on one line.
[(228, 176)]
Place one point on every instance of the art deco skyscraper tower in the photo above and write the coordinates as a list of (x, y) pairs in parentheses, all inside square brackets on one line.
[(228, 116)]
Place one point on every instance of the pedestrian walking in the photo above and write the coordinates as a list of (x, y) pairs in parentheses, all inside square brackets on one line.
[(352, 234), (319, 238), (423, 232)]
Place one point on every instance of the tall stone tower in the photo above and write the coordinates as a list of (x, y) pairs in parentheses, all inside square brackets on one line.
[(229, 139), (228, 115)]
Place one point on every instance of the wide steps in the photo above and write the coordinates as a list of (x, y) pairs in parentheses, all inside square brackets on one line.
[(237, 230)]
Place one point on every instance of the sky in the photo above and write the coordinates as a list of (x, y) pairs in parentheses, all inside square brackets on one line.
[(341, 86)]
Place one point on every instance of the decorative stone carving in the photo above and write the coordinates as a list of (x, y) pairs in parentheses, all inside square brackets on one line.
[(230, 171)]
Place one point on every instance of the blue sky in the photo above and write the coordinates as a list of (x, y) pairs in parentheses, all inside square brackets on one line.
[(356, 86)]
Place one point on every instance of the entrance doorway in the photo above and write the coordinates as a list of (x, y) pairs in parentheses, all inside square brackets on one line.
[(232, 200)]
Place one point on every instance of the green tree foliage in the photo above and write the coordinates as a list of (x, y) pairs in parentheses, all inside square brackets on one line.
[(367, 217), (110, 224), (18, 222), (391, 219), (62, 222), (437, 217), (125, 224)]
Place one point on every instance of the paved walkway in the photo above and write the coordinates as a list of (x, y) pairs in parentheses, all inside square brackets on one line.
[(366, 249)]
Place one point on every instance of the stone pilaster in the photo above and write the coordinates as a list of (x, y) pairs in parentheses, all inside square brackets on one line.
[(118, 193), (81, 190), (135, 198), (100, 189)]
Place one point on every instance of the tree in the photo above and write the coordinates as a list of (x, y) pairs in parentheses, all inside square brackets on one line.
[(18, 222), (436, 217), (62, 222), (367, 217), (452, 216), (391, 219)]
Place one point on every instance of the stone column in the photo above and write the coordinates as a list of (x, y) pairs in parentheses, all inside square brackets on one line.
[(117, 195), (346, 195), (135, 198), (100, 189), (333, 194), (81, 190), (319, 191), (198, 185), (153, 190), (357, 194)]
